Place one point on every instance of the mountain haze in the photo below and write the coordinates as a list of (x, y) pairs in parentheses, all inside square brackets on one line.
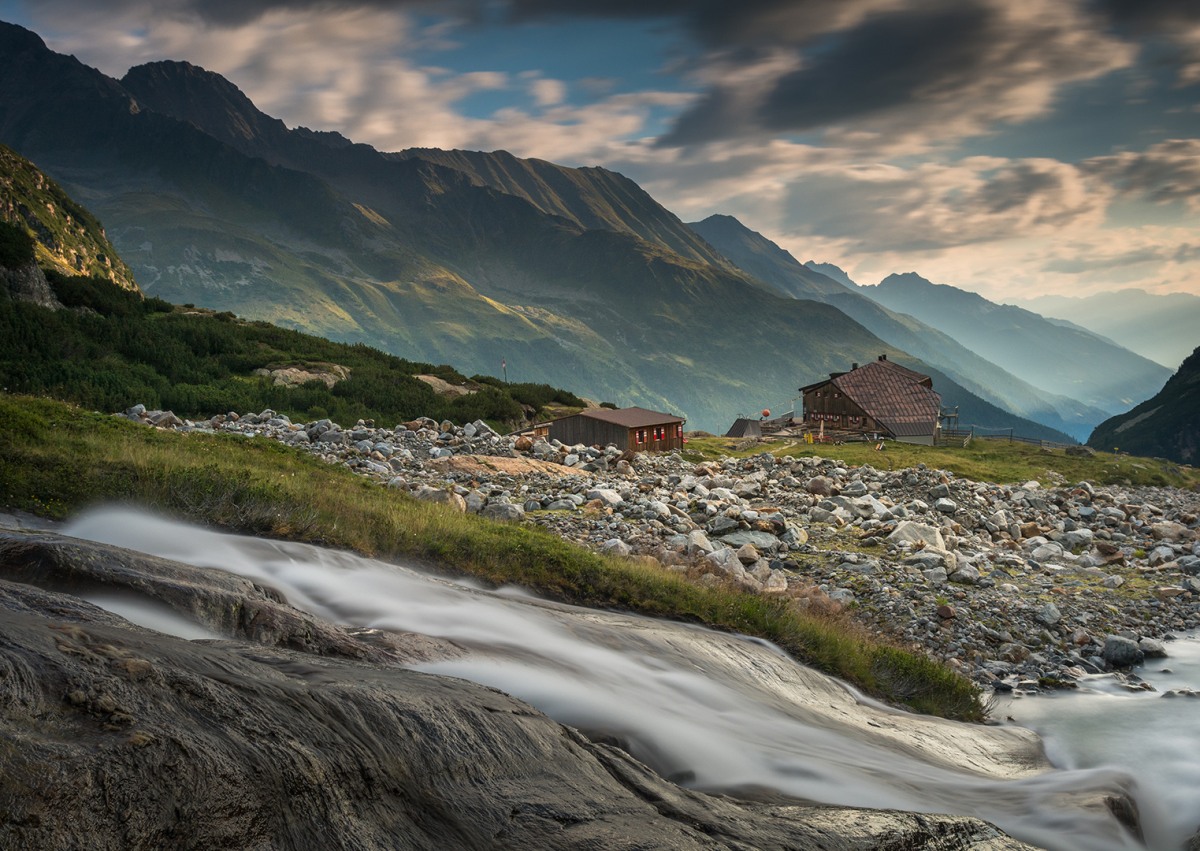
[(1164, 328), (1057, 359), (959, 366)]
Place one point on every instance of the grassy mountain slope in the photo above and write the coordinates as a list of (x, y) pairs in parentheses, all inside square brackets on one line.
[(68, 239), (965, 375), (126, 350), (1059, 360), (1166, 426), (593, 198)]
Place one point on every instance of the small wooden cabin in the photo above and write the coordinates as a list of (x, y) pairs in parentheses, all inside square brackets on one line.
[(636, 429), (879, 398)]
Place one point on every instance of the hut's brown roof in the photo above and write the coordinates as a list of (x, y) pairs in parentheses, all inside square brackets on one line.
[(630, 417), (894, 396)]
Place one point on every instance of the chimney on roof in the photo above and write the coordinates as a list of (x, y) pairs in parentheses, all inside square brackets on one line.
[(853, 367), (883, 357)]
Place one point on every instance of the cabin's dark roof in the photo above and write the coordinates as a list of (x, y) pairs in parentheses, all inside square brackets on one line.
[(743, 427), (630, 417), (902, 371), (892, 395)]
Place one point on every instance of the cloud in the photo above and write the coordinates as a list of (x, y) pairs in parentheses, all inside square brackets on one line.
[(935, 206), (1091, 261), (1174, 22), (1016, 269), (881, 75), (1164, 173), (719, 24), (344, 66), (546, 92), (604, 131), (916, 76)]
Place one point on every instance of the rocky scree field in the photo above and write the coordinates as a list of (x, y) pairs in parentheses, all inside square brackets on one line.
[(1021, 586)]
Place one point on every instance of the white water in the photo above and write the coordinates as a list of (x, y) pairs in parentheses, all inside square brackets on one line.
[(710, 710), (1157, 738)]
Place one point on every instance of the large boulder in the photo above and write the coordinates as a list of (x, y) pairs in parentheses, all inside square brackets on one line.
[(922, 534), (1121, 652), (503, 511)]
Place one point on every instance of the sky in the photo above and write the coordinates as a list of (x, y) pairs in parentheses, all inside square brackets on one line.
[(1016, 148)]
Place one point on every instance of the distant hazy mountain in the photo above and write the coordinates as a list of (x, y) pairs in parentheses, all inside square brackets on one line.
[(1165, 426), (1058, 359), (831, 271), (574, 277), (758, 255), (1164, 328)]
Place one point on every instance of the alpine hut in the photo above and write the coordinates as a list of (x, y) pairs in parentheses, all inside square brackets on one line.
[(879, 398), (636, 429)]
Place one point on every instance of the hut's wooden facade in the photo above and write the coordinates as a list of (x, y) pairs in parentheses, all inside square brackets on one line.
[(880, 398), (637, 429)]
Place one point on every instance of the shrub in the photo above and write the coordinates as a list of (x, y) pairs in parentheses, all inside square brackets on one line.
[(16, 246)]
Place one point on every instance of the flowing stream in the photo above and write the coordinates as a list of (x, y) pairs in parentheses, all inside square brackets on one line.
[(714, 711), (1155, 735)]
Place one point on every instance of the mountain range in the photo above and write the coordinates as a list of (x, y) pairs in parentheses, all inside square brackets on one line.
[(1164, 328), (574, 277), (1059, 358)]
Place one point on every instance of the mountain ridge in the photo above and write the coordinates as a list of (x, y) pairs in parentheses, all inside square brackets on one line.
[(1165, 426), (415, 256)]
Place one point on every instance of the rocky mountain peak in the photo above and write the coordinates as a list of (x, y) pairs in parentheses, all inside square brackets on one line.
[(908, 280), (16, 39), (833, 271), (204, 99)]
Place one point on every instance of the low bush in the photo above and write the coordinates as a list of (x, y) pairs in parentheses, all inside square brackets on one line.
[(115, 349)]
